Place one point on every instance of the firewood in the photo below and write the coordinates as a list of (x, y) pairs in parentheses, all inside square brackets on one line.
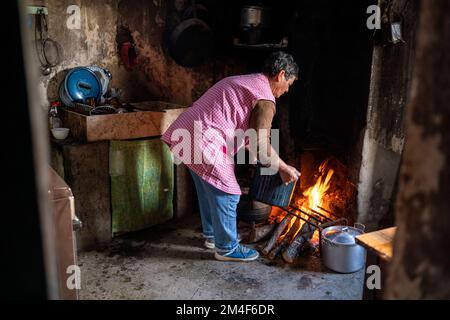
[(277, 233), (278, 248), (287, 239), (260, 233), (297, 224), (293, 249), (307, 249)]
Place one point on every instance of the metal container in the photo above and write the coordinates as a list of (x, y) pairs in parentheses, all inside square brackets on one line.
[(81, 83), (270, 189), (250, 210), (254, 22), (254, 16), (340, 252)]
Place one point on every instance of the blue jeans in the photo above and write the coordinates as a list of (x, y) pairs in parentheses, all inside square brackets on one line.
[(218, 214)]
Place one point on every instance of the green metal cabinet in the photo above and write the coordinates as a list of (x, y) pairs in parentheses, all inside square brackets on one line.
[(142, 184)]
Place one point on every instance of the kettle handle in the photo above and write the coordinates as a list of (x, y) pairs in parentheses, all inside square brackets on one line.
[(359, 226)]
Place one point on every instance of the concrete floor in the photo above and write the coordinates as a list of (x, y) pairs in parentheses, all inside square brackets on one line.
[(169, 262)]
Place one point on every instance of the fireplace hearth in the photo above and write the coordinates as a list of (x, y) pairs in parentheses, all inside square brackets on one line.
[(323, 197)]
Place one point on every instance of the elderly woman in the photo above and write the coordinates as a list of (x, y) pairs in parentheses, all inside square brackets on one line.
[(203, 138)]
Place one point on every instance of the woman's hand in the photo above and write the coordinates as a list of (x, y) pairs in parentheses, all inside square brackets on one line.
[(289, 174)]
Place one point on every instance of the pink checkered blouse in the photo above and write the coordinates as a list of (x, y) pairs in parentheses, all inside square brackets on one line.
[(211, 123)]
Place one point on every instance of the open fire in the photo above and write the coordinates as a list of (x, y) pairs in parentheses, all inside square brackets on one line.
[(313, 198), (298, 226)]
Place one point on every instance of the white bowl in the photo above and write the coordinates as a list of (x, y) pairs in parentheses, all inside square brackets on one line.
[(60, 133)]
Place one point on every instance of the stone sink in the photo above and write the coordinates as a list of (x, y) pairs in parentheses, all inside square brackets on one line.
[(150, 119)]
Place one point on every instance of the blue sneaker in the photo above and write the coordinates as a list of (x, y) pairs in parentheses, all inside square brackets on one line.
[(241, 253)]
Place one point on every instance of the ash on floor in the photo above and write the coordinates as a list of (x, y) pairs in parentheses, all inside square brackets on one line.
[(170, 262)]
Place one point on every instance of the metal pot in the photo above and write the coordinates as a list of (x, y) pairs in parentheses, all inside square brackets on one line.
[(104, 77), (340, 252), (250, 210), (191, 42), (79, 85), (254, 16), (254, 24)]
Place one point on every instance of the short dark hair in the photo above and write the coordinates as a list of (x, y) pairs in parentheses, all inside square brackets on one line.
[(278, 61)]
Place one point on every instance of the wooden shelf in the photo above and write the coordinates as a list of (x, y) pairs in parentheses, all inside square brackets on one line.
[(379, 241)]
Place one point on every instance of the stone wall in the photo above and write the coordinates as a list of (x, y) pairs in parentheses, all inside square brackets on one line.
[(384, 136), (421, 264), (156, 77)]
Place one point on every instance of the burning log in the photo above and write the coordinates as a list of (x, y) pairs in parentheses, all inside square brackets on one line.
[(277, 249), (260, 233), (288, 238), (305, 233), (308, 248), (292, 232), (277, 233)]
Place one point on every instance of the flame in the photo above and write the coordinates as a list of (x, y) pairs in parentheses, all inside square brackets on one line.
[(315, 193), (276, 215), (291, 223), (312, 199)]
